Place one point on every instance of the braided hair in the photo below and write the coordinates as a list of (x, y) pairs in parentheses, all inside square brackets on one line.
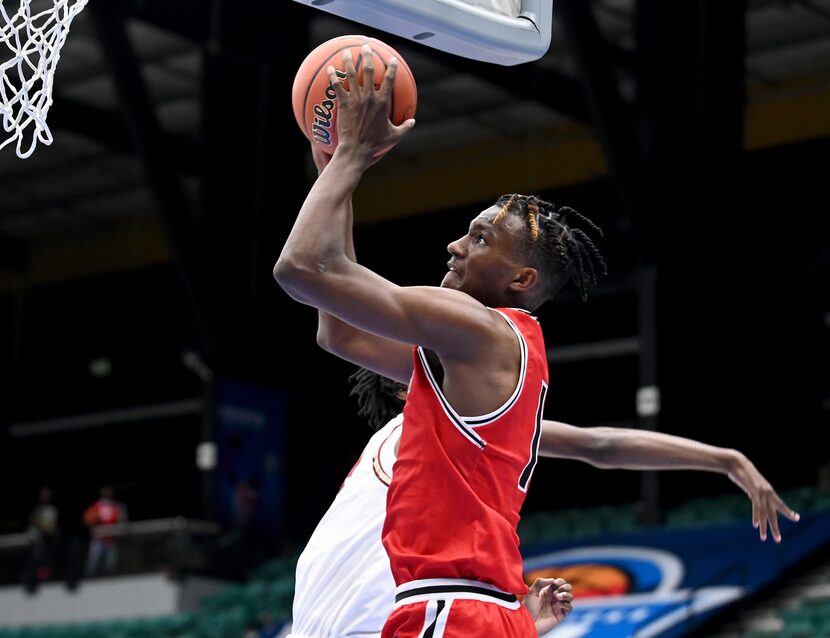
[(378, 398), (556, 246)]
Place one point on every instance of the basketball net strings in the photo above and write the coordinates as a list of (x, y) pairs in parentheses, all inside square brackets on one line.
[(34, 43)]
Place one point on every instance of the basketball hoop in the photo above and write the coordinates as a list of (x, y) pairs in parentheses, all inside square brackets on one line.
[(506, 32), (34, 41)]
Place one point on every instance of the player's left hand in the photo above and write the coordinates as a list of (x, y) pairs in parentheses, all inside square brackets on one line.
[(766, 504), (549, 601)]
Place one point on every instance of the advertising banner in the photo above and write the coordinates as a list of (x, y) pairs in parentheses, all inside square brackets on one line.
[(662, 583)]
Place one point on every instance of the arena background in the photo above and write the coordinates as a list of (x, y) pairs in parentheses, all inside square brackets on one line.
[(136, 293)]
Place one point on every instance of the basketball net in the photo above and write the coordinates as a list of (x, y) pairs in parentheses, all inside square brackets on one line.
[(34, 41)]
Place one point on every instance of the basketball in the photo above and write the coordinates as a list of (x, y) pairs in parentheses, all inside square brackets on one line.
[(315, 102)]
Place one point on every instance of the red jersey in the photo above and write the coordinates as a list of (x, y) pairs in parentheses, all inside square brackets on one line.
[(102, 512), (459, 482)]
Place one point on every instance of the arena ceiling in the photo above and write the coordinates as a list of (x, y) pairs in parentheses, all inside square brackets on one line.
[(86, 203)]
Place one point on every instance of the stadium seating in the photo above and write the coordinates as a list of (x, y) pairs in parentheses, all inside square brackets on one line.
[(270, 587)]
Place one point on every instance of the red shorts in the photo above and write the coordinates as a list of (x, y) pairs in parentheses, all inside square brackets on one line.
[(458, 614)]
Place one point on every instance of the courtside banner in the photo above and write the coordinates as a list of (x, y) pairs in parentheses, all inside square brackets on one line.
[(663, 583), (250, 437)]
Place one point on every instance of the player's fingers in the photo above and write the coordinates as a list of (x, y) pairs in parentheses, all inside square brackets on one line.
[(397, 133), (389, 76), (783, 508), (760, 521), (773, 525), (401, 130), (368, 67), (335, 83), (537, 585), (561, 611), (351, 72)]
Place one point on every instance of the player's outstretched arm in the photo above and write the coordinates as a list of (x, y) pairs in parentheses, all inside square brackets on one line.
[(548, 601), (624, 448)]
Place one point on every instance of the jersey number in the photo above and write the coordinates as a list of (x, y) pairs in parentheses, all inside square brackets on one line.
[(524, 479)]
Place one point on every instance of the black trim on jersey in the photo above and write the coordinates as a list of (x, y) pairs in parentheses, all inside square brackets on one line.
[(478, 421), (466, 424), (448, 410), (524, 479), (523, 311), (431, 629), (452, 589)]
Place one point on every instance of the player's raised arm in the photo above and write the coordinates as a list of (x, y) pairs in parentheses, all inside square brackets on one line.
[(515, 255), (624, 448), (315, 269), (389, 358)]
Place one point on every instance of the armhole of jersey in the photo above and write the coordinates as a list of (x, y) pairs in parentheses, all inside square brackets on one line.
[(456, 420), (467, 425), (485, 419)]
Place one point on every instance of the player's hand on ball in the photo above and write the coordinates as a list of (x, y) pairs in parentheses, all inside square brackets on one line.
[(363, 125)]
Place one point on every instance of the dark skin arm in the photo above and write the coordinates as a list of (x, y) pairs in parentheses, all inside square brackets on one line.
[(385, 356), (477, 349), (623, 448), (629, 449)]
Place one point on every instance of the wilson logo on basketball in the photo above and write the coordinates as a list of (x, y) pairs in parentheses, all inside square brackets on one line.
[(323, 114), (315, 101)]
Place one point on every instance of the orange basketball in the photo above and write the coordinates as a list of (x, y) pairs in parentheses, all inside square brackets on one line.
[(315, 102)]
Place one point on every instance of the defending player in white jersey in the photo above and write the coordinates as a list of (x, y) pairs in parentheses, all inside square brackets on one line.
[(344, 583)]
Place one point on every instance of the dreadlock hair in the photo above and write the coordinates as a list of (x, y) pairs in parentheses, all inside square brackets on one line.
[(556, 246), (377, 397)]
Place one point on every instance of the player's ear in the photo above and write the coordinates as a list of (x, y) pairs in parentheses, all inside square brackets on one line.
[(525, 280)]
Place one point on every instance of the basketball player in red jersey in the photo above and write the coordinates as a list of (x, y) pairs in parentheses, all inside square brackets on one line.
[(476, 360)]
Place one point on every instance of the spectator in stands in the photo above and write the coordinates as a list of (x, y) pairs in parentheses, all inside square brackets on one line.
[(103, 549), (43, 530), (244, 510)]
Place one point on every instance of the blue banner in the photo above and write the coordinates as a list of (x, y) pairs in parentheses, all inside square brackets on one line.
[(250, 437), (662, 583)]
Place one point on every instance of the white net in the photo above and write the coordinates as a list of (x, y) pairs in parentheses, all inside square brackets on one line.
[(33, 34)]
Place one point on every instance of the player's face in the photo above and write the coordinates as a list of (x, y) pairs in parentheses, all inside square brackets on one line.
[(483, 261)]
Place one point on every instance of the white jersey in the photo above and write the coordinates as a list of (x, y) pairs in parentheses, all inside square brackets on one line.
[(344, 583)]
